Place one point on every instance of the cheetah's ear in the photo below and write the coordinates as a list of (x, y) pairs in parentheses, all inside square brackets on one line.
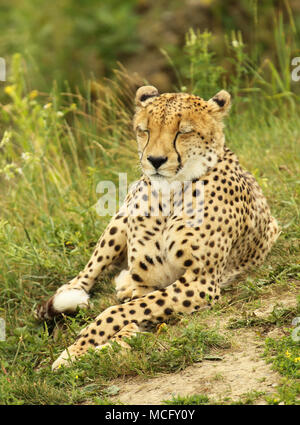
[(144, 93), (220, 103)]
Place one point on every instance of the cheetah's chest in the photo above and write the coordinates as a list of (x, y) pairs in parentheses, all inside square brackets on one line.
[(148, 252)]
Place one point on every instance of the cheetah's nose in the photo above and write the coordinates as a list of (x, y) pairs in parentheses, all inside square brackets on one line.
[(157, 161)]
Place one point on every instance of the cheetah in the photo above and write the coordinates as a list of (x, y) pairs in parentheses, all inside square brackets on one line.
[(174, 260)]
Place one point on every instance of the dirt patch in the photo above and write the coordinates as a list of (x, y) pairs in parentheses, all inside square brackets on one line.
[(240, 370)]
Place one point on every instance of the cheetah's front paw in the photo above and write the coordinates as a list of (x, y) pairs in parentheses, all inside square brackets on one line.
[(64, 301)]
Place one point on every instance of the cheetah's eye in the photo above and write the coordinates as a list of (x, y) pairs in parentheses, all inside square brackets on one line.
[(141, 133), (186, 131)]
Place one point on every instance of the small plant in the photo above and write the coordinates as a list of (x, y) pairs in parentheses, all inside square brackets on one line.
[(278, 317), (203, 74), (284, 355), (195, 399)]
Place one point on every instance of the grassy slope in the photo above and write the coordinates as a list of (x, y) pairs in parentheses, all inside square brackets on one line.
[(48, 227)]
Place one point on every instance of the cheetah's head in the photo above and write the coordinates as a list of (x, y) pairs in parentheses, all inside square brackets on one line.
[(180, 136)]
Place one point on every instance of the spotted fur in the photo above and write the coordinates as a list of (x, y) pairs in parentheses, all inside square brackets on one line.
[(175, 262)]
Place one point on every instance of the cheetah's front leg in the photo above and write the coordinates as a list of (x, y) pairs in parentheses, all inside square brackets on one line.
[(111, 247), (187, 294)]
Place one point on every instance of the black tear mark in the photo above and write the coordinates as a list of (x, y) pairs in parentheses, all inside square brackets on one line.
[(178, 154), (148, 132)]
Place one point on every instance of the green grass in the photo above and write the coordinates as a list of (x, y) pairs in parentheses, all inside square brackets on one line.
[(284, 356), (55, 148), (278, 317), (200, 399), (195, 399)]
